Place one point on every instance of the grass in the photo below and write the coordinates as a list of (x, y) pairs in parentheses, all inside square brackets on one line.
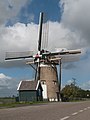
[(10, 103), (16, 104)]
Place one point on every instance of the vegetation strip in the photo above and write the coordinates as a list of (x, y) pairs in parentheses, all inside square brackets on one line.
[(74, 93), (18, 104)]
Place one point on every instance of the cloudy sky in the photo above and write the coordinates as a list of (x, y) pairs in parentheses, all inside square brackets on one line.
[(69, 27)]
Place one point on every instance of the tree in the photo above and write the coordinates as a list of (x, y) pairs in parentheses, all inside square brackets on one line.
[(73, 92)]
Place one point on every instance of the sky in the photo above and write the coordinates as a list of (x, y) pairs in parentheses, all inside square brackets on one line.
[(69, 27)]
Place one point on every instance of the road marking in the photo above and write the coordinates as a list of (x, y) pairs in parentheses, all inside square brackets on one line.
[(81, 110), (85, 108), (65, 118), (75, 113)]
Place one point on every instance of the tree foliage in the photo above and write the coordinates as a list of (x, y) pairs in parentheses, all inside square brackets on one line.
[(71, 92)]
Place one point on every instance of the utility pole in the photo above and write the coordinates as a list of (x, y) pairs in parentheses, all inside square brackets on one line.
[(74, 81), (74, 86), (60, 76)]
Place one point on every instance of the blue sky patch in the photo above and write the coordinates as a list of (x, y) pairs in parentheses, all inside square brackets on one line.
[(30, 12)]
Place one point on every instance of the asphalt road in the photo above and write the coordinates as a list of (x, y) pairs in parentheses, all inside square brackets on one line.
[(51, 111)]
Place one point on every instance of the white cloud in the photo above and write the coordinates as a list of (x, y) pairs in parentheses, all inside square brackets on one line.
[(86, 85), (18, 38), (76, 18), (9, 9), (2, 76), (67, 34), (23, 38), (70, 33), (69, 82), (60, 36), (6, 81), (8, 85)]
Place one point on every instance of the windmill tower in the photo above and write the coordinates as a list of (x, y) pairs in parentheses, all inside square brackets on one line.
[(45, 62), (46, 71), (49, 78)]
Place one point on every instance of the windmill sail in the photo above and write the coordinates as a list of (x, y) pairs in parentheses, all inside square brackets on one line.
[(40, 31), (39, 46), (45, 31), (62, 52), (18, 55)]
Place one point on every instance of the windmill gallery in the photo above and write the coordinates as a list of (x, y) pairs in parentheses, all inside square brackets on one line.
[(46, 85)]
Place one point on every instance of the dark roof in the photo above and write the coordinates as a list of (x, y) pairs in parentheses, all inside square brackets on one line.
[(28, 85)]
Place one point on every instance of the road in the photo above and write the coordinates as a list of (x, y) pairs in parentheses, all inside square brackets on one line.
[(50, 111)]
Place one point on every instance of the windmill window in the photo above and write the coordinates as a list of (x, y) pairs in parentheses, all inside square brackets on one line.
[(43, 82), (55, 82)]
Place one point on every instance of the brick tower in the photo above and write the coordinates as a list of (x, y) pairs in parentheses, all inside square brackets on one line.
[(49, 77)]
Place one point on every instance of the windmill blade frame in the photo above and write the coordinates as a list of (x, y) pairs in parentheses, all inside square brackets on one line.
[(78, 51), (18, 55)]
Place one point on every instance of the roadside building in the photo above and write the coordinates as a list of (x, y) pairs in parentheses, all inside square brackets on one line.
[(30, 91)]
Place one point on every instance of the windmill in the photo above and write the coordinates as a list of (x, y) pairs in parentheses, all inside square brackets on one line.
[(45, 62)]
